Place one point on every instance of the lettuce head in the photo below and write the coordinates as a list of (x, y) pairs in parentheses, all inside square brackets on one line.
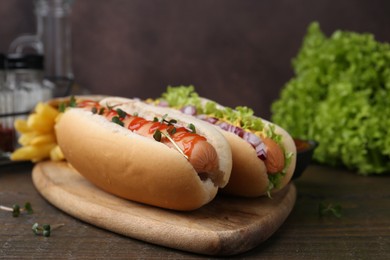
[(340, 97)]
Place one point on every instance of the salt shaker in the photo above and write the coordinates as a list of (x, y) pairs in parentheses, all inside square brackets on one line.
[(25, 77)]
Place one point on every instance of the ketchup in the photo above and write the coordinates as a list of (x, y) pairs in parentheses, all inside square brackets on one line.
[(157, 125), (181, 135), (137, 123), (88, 103), (7, 137), (188, 143)]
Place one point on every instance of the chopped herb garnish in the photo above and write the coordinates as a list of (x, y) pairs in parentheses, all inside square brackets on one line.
[(62, 107), (28, 208), (45, 229), (157, 135), (172, 130), (72, 102), (175, 145), (101, 111), (325, 209), (122, 114), (192, 128), (109, 107), (172, 121), (163, 118), (16, 209), (117, 120)]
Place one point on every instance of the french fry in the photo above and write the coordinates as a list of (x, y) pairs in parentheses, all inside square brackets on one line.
[(56, 154), (37, 138), (40, 123), (21, 126), (33, 153), (46, 111), (43, 139), (25, 139)]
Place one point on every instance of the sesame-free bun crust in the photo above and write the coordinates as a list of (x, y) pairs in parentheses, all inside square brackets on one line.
[(213, 135), (249, 176), (129, 165)]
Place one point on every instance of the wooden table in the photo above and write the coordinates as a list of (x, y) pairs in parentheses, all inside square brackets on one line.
[(363, 231)]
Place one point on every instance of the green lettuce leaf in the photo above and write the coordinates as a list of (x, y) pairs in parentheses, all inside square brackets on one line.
[(242, 116), (340, 97)]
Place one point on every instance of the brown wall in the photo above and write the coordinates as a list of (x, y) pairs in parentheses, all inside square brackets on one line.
[(236, 52)]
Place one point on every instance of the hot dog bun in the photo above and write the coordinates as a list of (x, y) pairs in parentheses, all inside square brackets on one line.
[(135, 167), (264, 154), (249, 176)]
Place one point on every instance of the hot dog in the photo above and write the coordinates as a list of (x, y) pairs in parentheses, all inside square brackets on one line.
[(264, 154), (143, 153)]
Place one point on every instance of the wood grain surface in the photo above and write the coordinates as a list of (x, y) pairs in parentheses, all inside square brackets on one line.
[(226, 226), (363, 231)]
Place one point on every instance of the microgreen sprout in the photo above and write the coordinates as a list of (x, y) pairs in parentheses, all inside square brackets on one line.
[(45, 229), (117, 120), (175, 145), (171, 122), (192, 128), (163, 118), (72, 102), (172, 130), (325, 209), (16, 209), (28, 208), (111, 107), (157, 135), (62, 107), (94, 110), (122, 114)]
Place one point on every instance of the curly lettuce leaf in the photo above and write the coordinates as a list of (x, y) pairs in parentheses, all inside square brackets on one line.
[(340, 97), (241, 116)]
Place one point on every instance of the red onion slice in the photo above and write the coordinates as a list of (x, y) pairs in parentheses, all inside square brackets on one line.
[(189, 110), (224, 126), (261, 151), (251, 138), (163, 103), (209, 119)]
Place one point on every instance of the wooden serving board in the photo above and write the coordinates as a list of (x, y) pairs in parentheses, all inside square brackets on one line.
[(226, 226)]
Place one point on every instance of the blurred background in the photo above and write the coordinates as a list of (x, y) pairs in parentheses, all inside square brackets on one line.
[(235, 52)]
